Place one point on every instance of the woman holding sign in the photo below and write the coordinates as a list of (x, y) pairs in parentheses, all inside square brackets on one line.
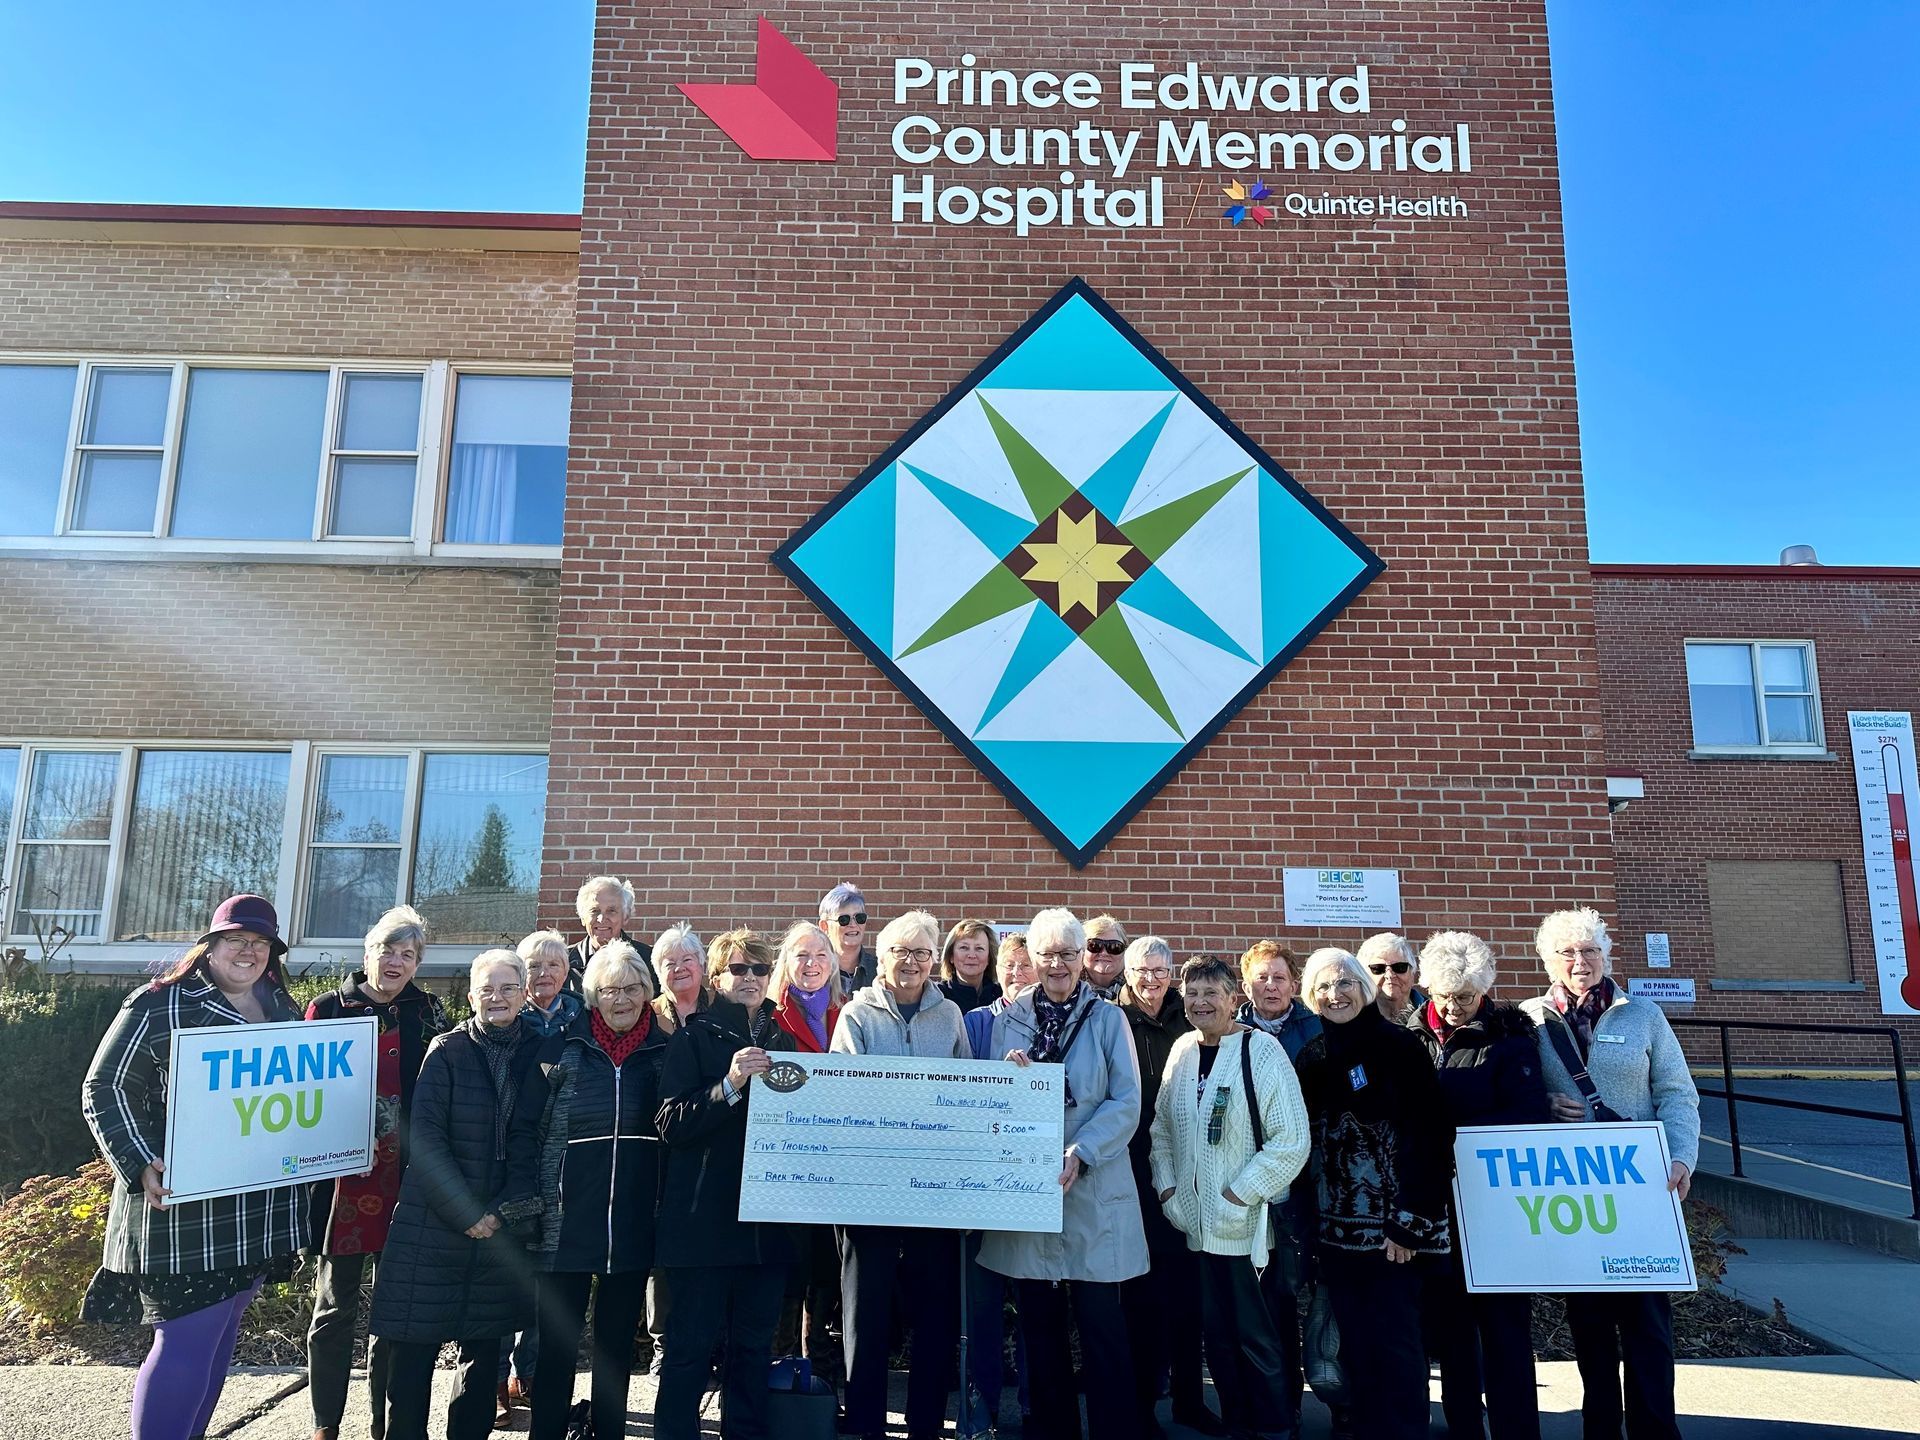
[(189, 1270)]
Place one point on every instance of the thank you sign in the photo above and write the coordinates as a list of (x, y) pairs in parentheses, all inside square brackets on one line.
[(253, 1106), (1580, 1209)]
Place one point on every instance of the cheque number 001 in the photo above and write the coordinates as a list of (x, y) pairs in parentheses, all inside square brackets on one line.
[(1036, 1084)]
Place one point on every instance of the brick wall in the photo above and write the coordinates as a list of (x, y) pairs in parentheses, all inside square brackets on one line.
[(1866, 633), (752, 335)]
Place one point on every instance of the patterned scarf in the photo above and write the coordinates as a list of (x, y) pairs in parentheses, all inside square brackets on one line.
[(1582, 1010), (497, 1046), (1050, 1024), (619, 1044)]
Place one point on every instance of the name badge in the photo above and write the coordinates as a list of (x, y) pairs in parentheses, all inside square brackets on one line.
[(1611, 1039), (1357, 1077)]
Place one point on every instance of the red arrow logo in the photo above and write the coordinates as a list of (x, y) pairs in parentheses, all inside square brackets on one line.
[(791, 111)]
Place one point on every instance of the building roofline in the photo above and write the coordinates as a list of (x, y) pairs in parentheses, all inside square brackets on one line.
[(289, 225), (1756, 572)]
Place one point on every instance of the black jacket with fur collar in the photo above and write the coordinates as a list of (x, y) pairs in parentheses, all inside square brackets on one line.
[(1489, 1067)]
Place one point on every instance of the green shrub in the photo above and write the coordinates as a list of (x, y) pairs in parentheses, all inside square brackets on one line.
[(51, 1235), (48, 1033)]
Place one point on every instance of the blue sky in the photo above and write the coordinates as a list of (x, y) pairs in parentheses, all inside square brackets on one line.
[(1742, 182)]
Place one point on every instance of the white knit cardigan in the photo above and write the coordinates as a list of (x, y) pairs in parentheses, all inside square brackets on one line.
[(1198, 1172)]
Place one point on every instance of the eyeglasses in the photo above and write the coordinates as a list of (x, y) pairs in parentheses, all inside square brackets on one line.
[(740, 967), (247, 942), (1106, 947), (1398, 967), (1581, 952), (1465, 1000), (498, 992), (1059, 957), (859, 917), (1152, 974), (900, 952), (1345, 985), (622, 992)]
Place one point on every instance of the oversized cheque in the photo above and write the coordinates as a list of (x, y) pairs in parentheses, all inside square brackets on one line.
[(886, 1140), (253, 1106)]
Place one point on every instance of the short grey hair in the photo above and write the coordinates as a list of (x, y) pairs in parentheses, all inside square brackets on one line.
[(1149, 947), (1332, 957), (905, 927), (841, 894), (487, 959), (539, 942), (1574, 927), (678, 937), (614, 962), (396, 927), (1454, 961), (583, 900), (1383, 948), (1059, 925)]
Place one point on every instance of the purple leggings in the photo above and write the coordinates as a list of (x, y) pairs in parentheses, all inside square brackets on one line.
[(182, 1377)]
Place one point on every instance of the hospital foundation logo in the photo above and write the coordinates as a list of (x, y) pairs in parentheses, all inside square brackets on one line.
[(1078, 568), (791, 110)]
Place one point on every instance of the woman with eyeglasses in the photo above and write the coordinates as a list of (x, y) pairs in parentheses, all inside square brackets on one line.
[(1385, 1145), (1390, 962), (843, 915), (904, 1013), (1074, 1278), (188, 1268), (727, 1276), (1106, 969), (1632, 1067), (966, 966), (594, 1091)]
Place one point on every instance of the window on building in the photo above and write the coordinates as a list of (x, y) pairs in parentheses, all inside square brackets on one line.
[(205, 825), (1753, 695), (36, 410), (66, 833), (1778, 920), (359, 817), (476, 868), (122, 451), (250, 454), (376, 457), (506, 480)]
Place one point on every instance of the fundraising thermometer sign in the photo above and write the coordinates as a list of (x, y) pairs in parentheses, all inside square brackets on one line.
[(254, 1106), (1884, 774)]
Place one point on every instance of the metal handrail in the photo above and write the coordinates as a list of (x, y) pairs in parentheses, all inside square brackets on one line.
[(1892, 1036)]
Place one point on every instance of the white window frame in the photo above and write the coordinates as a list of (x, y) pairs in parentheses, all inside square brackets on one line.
[(1815, 746), (439, 377)]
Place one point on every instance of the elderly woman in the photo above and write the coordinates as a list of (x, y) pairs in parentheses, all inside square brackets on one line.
[(727, 1275), (1489, 1069), (681, 960), (902, 1014), (1390, 961), (591, 1101), (1106, 956), (188, 1269), (806, 1003), (1014, 971), (357, 1209), (1076, 1275), (605, 905), (1608, 1056), (966, 966), (1270, 979), (452, 1269), (843, 915), (1163, 1305), (552, 1008), (1386, 1155), (1229, 1134)]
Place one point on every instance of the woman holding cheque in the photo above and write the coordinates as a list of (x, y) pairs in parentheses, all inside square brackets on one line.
[(189, 1270)]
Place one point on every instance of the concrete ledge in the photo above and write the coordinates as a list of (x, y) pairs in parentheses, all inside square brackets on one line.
[(1762, 1210)]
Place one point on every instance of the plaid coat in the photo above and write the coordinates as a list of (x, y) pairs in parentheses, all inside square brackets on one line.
[(124, 1098)]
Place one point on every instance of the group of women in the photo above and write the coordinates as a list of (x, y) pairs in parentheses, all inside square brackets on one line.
[(575, 1147)]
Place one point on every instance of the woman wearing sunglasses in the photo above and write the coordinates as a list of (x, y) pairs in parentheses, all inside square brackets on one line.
[(843, 915), (727, 1276), (1106, 957), (1391, 963)]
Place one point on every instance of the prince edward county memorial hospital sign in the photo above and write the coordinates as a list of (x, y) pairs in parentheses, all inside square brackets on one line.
[(1269, 124)]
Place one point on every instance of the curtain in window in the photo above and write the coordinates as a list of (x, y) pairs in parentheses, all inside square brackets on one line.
[(205, 825), (483, 490)]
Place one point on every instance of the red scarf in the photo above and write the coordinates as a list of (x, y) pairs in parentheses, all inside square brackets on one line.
[(620, 1045), (1438, 1026)]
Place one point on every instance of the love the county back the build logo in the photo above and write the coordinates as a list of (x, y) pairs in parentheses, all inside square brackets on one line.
[(1078, 568)]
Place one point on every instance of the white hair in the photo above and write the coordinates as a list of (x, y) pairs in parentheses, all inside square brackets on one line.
[(1384, 947), (1454, 961), (1147, 947), (913, 924), (1331, 957), (539, 942), (677, 937), (1061, 926), (487, 959), (583, 901), (612, 962), (1574, 927)]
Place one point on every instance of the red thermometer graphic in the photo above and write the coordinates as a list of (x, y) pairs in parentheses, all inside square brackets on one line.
[(1894, 775)]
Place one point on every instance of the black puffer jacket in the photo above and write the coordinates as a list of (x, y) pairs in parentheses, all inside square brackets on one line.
[(1153, 1037), (434, 1281), (599, 1155), (1489, 1067), (706, 1139), (578, 955)]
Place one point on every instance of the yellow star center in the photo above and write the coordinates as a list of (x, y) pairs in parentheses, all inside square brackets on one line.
[(1078, 562)]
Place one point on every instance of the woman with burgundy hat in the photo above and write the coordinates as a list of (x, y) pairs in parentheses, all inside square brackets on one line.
[(189, 1270)]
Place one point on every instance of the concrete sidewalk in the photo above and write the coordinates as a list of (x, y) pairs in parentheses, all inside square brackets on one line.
[(1801, 1399), (1858, 1301)]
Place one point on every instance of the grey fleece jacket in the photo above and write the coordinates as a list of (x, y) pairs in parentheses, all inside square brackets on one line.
[(871, 1024), (1636, 1065)]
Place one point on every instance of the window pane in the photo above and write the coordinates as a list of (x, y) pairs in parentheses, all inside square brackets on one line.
[(477, 869), (250, 454), (117, 492), (360, 798), (1783, 667), (349, 889), (205, 826), (60, 886), (9, 782), (71, 797), (128, 407), (372, 497), (1720, 688), (382, 412), (1790, 720), (506, 483), (36, 401)]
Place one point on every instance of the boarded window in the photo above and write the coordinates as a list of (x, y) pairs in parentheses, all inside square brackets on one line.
[(1778, 920)]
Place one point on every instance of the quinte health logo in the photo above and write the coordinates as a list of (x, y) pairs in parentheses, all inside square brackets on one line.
[(791, 111)]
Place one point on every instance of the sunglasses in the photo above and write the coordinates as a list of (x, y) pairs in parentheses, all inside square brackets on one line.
[(741, 968), (1106, 947), (1398, 967), (856, 919)]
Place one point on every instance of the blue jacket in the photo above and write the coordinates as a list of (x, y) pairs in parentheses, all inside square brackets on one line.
[(1293, 1030)]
